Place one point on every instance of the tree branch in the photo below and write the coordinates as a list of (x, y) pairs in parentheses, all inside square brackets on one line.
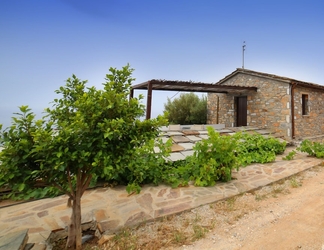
[(61, 189), (70, 182), (86, 184)]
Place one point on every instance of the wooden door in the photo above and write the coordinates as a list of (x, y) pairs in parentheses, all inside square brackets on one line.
[(241, 111)]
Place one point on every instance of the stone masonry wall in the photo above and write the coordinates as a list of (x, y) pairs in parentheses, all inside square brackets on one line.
[(269, 107), (313, 123)]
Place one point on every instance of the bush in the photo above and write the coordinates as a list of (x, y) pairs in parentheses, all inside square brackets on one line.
[(187, 109), (213, 160), (254, 148), (312, 148)]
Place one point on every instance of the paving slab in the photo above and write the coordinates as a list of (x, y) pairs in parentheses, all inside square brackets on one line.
[(204, 136), (225, 131), (190, 132), (215, 126), (175, 127), (174, 133), (176, 148), (156, 150), (194, 138), (178, 138), (203, 132), (14, 240), (263, 132), (187, 146), (197, 127), (187, 153), (244, 128), (176, 156)]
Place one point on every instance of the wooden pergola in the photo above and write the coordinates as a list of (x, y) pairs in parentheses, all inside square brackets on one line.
[(185, 86)]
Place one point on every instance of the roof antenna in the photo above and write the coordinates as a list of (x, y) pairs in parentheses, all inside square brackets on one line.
[(243, 49)]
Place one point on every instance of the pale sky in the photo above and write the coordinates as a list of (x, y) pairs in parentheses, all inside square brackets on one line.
[(42, 43)]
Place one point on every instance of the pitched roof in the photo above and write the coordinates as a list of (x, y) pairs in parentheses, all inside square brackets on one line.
[(271, 76)]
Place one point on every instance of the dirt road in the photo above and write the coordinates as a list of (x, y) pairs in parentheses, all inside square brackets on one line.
[(289, 215)]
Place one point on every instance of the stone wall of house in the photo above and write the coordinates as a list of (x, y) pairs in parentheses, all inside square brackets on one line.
[(269, 107), (313, 123)]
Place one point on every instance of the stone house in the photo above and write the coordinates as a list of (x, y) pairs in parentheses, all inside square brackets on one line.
[(291, 108)]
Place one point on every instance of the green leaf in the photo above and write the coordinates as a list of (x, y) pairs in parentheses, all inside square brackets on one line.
[(21, 187)]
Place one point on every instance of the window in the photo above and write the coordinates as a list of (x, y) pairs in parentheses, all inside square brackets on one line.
[(305, 104)]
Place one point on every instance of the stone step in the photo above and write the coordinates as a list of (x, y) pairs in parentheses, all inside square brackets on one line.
[(14, 241)]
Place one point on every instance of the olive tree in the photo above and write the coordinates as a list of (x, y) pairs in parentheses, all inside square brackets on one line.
[(187, 109), (87, 133)]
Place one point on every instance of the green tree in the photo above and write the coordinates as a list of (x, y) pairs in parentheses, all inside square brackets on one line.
[(187, 109), (88, 133)]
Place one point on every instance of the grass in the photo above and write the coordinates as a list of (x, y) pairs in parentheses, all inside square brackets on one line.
[(260, 197), (294, 182), (180, 237), (199, 232), (277, 189)]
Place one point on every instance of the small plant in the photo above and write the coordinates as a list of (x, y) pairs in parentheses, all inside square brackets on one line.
[(260, 197), (197, 218), (254, 148), (124, 240), (290, 156), (213, 159), (230, 203), (179, 237), (312, 148), (277, 189), (294, 182), (199, 232)]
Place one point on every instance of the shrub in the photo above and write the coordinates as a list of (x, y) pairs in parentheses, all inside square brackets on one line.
[(312, 148), (254, 148), (187, 109)]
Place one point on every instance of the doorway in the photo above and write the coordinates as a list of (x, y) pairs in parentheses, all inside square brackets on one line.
[(241, 111)]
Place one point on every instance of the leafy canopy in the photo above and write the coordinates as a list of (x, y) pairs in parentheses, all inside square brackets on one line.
[(187, 109), (86, 133)]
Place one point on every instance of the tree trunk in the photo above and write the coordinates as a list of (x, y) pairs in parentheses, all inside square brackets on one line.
[(74, 240)]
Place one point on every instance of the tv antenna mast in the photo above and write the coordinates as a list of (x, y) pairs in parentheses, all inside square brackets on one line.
[(243, 49)]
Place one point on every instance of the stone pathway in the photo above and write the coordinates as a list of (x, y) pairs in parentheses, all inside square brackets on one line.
[(114, 208)]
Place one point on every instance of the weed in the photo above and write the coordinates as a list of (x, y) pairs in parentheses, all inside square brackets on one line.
[(294, 182), (260, 197), (199, 232), (290, 156), (231, 203), (179, 237), (277, 189), (125, 240), (186, 223), (239, 216), (212, 224), (312, 148), (281, 182), (197, 218)]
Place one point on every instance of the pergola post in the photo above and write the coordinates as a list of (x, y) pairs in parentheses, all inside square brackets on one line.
[(149, 100), (131, 94)]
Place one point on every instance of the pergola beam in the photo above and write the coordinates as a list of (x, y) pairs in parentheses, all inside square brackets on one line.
[(185, 87)]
